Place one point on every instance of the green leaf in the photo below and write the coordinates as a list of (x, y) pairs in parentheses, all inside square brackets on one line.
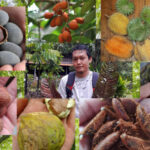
[(88, 5), (50, 38), (90, 16)]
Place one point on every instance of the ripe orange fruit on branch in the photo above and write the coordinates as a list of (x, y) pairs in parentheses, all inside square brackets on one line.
[(65, 28), (66, 35), (48, 15), (80, 20), (56, 7), (63, 5), (59, 21), (60, 38), (65, 16), (73, 24), (53, 22)]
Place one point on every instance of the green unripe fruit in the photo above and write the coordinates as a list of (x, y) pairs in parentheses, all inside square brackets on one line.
[(3, 18), (40, 131), (7, 57), (15, 34), (12, 47)]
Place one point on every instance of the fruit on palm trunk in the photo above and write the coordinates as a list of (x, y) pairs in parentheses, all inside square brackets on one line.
[(118, 23), (40, 131), (119, 46)]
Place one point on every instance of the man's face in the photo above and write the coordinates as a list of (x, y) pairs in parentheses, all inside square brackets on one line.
[(81, 61)]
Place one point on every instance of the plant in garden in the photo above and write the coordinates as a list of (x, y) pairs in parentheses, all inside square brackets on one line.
[(60, 16)]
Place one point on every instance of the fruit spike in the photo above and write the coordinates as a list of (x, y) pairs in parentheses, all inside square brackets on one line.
[(145, 14), (125, 6)]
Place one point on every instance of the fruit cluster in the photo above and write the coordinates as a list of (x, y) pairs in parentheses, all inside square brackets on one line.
[(59, 16), (11, 37)]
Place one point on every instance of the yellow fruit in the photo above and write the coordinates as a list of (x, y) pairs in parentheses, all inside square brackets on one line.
[(143, 51), (118, 23), (119, 46)]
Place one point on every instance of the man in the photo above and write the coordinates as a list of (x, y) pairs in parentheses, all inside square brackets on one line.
[(79, 84)]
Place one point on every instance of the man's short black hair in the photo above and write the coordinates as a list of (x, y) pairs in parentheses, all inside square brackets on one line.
[(82, 47)]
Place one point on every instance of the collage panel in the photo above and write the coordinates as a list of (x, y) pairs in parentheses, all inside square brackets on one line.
[(125, 30), (12, 32), (64, 22), (113, 123)]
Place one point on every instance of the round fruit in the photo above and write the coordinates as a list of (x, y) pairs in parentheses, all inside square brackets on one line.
[(65, 28), (59, 12), (59, 21), (80, 20), (3, 17), (53, 24), (41, 130), (56, 7), (48, 15), (60, 38), (66, 35), (15, 34), (73, 25), (12, 47), (63, 5), (7, 57), (65, 16)]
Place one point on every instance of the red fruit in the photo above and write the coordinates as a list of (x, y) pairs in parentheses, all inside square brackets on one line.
[(59, 12), (65, 16), (48, 15), (53, 24), (60, 38), (59, 21), (73, 25), (63, 5), (80, 20), (65, 28), (67, 36), (56, 7)]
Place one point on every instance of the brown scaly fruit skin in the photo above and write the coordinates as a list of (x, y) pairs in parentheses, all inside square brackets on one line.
[(40, 131), (53, 22), (48, 15)]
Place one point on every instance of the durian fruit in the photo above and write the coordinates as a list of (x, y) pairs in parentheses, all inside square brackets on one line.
[(143, 51), (125, 7), (145, 14), (119, 46), (107, 81), (137, 31), (118, 23)]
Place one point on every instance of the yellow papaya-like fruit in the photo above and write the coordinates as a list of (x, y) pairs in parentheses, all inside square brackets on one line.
[(118, 23)]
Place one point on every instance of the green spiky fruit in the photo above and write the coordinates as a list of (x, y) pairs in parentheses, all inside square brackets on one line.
[(136, 30), (125, 6), (145, 14), (40, 131)]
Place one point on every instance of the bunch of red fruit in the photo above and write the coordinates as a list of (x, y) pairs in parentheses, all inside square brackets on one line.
[(59, 17)]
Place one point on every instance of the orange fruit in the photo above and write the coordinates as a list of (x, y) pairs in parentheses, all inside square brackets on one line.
[(80, 20), (65, 16), (65, 28), (53, 22), (59, 21), (56, 7), (60, 38), (63, 5), (48, 15), (66, 35), (69, 39), (73, 24), (59, 12)]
